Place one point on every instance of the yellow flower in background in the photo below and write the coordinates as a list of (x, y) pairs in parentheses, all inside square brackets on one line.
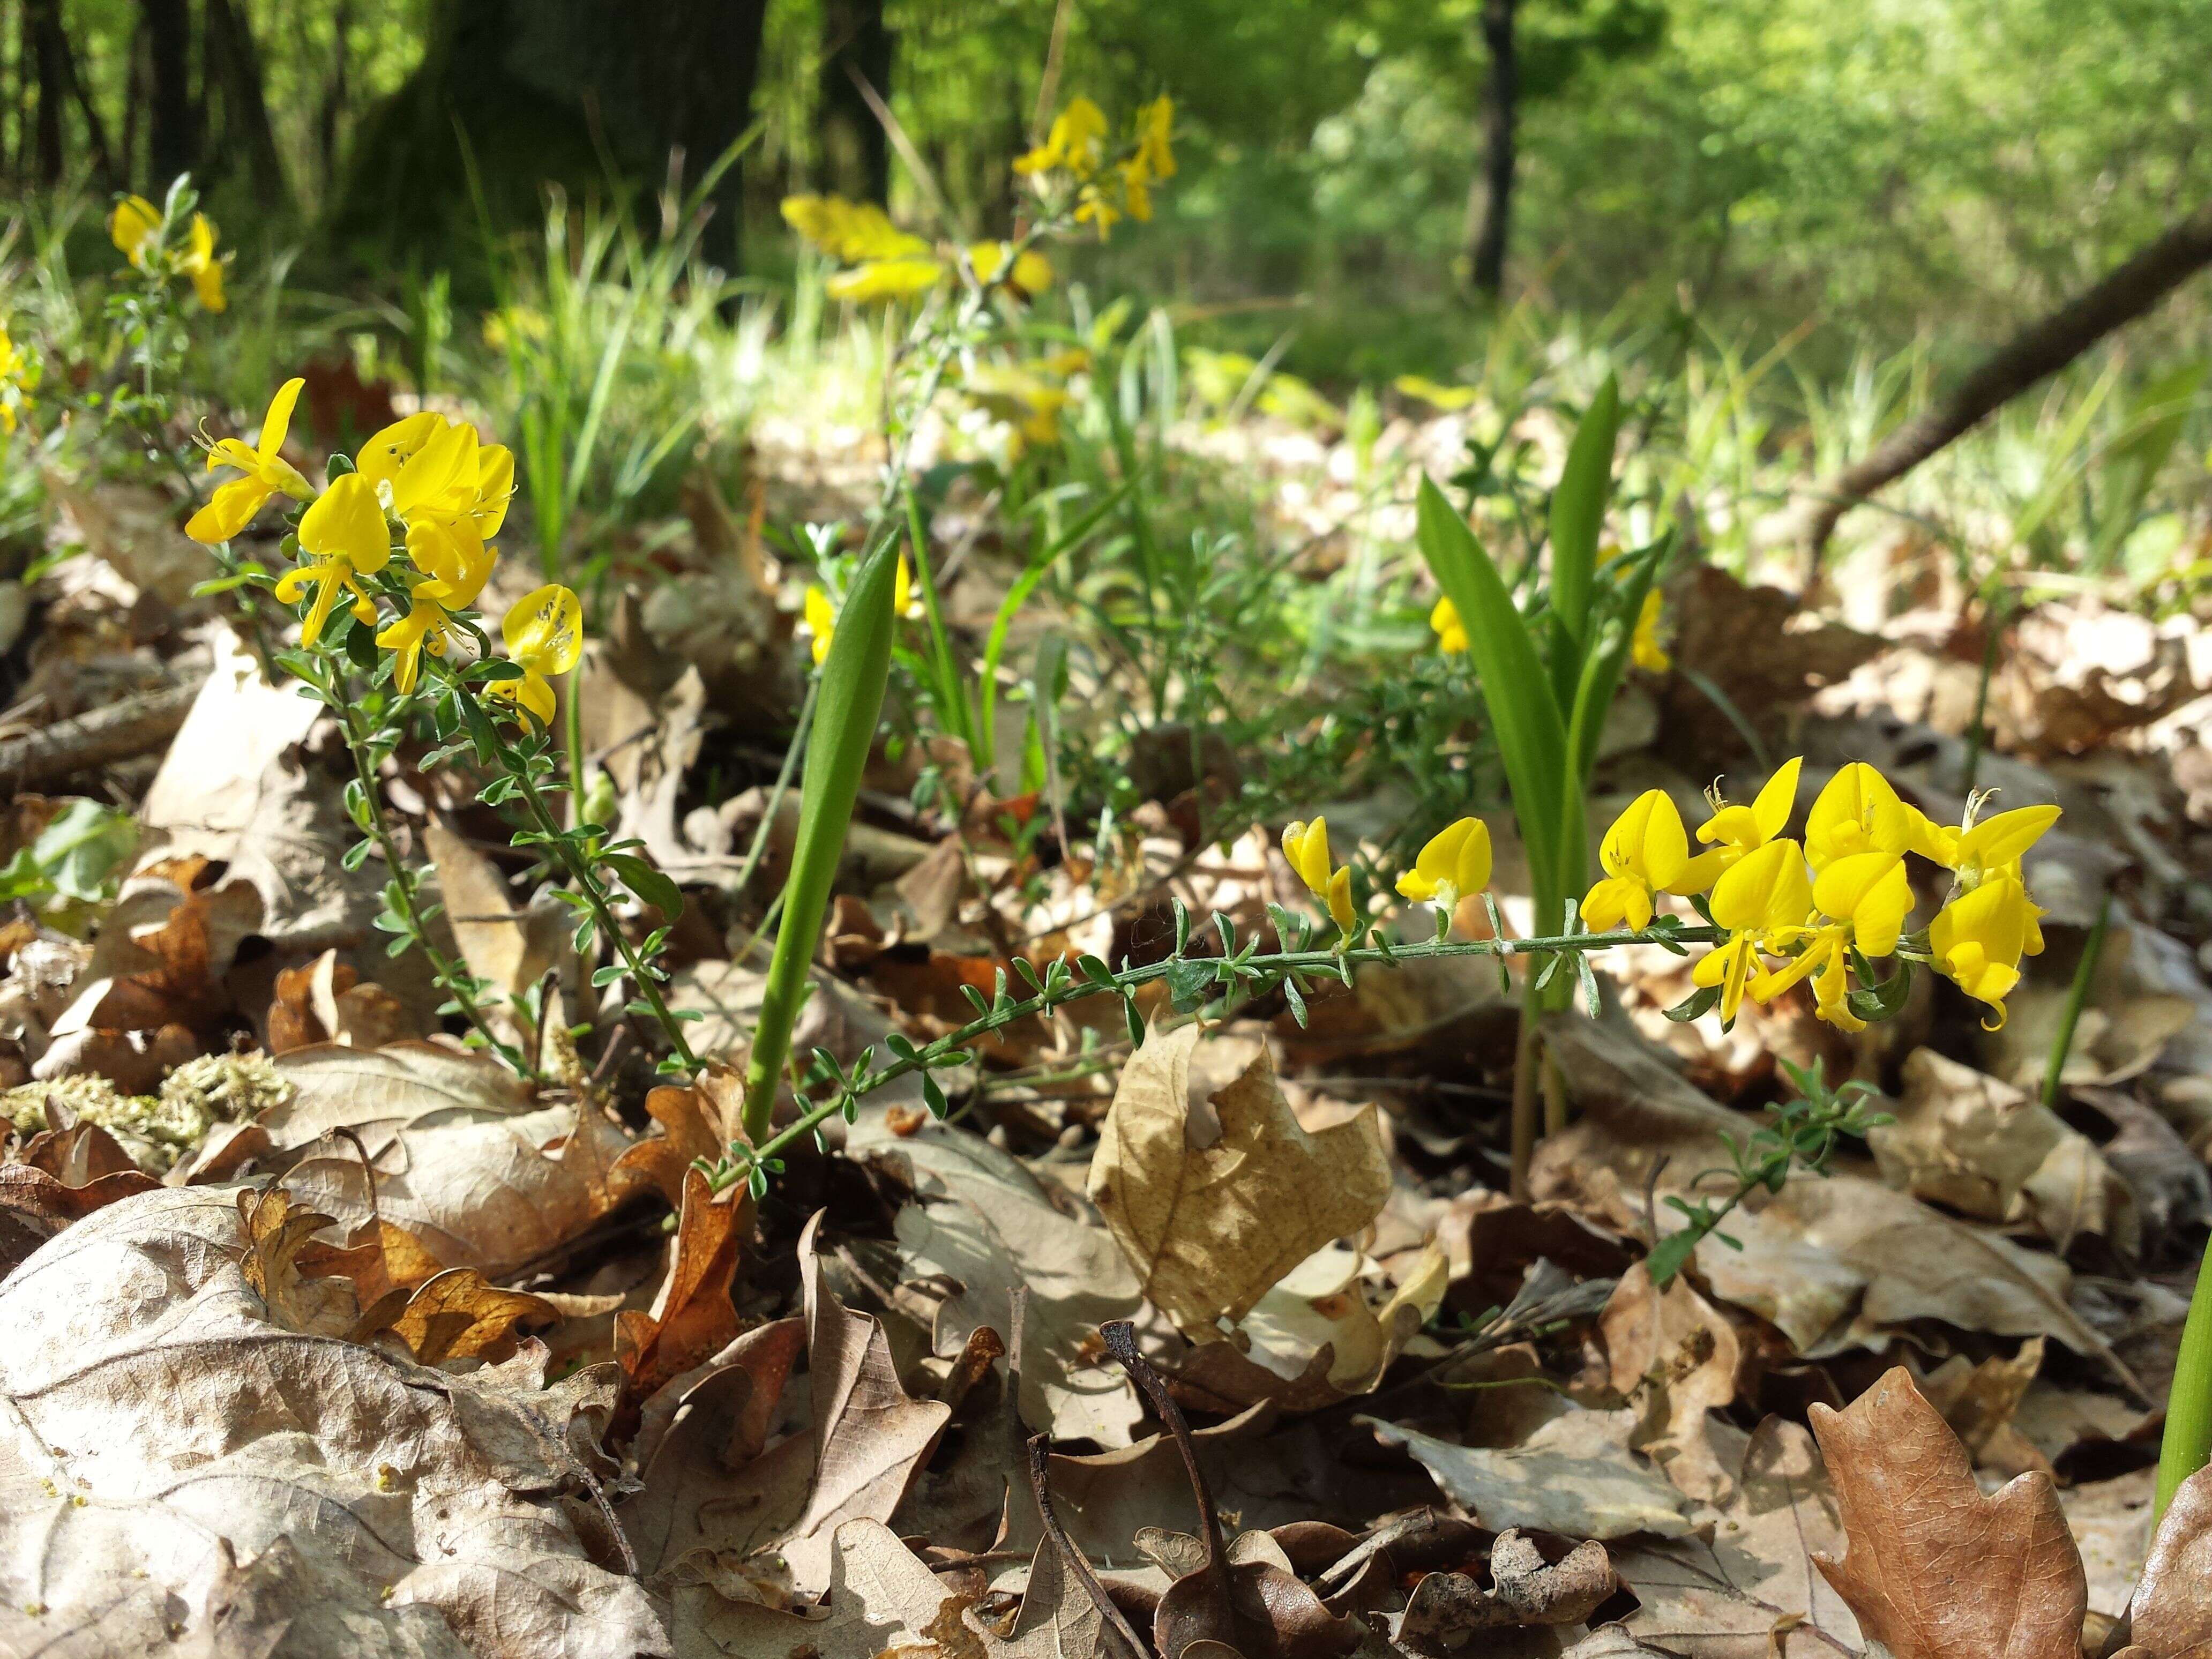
[(1446, 398), (1136, 190), (343, 537), (1306, 846), (1644, 646), (133, 228), (1073, 144), (1456, 862), (1027, 402), (1644, 853), (18, 375), (1155, 129), (266, 472), (545, 635), (1032, 271), (456, 565), (850, 232), (822, 616), (885, 279), (1092, 208), (1978, 938), (1733, 831), (1451, 631), (1767, 890), (199, 263), (1858, 812)]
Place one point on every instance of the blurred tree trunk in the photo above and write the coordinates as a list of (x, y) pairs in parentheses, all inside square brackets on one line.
[(171, 147), (1490, 207), (856, 47), (334, 98), (235, 63), (709, 54)]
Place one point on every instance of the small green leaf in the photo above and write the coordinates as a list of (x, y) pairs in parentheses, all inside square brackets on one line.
[(647, 882)]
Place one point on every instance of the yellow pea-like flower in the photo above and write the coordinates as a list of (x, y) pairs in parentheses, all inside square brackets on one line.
[(266, 472), (456, 565), (199, 263), (545, 635), (1451, 631), (343, 538), (1306, 846), (1858, 812), (132, 227), (1456, 862), (1978, 938), (1734, 831), (1767, 890), (1032, 272), (820, 620), (1644, 646), (1155, 130), (1073, 144), (1644, 853)]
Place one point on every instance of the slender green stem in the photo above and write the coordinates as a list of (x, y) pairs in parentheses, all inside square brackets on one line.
[(594, 896), (2188, 1440), (1329, 963), (453, 978), (2077, 997), (571, 737)]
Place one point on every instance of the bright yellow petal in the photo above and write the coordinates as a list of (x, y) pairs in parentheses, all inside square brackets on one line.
[(1771, 810), (494, 487), (1767, 888), (2000, 841), (228, 511), (381, 459), (133, 222), (346, 522), (544, 630), (207, 283), (278, 420)]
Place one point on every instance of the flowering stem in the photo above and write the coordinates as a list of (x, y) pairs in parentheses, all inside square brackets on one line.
[(1270, 970), (594, 896), (405, 901)]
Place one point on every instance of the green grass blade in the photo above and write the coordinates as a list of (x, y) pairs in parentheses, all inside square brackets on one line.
[(853, 676), (1578, 513), (1531, 737)]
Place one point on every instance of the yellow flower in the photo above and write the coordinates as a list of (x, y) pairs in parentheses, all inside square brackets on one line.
[(1857, 812), (850, 232), (428, 469), (1155, 128), (133, 227), (198, 261), (1456, 862), (1073, 144), (1646, 853), (456, 565), (1136, 189), (1994, 846), (233, 506), (1025, 401), (1092, 208), (1978, 938), (343, 537), (545, 635), (822, 614), (1862, 899), (1733, 831), (18, 375), (885, 279), (1447, 397), (1451, 631), (1306, 846), (1644, 646), (1032, 271), (1767, 890)]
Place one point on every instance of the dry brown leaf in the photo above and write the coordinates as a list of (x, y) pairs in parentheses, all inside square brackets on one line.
[(705, 1518), (1574, 1475), (165, 1434), (1674, 1356), (209, 784), (511, 949), (276, 1229), (1447, 1608), (1934, 1567), (1978, 1401), (1215, 1197), (459, 1314), (463, 1159), (1991, 1152), (697, 1121), (883, 1604), (989, 1227), (2171, 1615), (692, 1317), (34, 1206)]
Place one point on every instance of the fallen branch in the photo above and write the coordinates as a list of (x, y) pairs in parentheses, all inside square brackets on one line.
[(133, 726), (2041, 349)]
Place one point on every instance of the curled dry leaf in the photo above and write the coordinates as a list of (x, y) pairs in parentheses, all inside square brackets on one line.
[(697, 1121), (1935, 1569), (1574, 1475), (1214, 1197), (459, 1314), (166, 1435), (1674, 1356), (464, 1158), (1447, 1608), (2171, 1615), (693, 1317)]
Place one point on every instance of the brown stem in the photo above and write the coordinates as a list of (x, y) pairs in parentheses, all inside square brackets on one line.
[(1074, 1559)]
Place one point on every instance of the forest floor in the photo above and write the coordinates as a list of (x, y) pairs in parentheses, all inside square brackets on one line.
[(325, 1335)]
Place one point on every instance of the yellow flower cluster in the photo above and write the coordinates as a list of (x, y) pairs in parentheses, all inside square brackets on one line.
[(1645, 648), (1843, 895), (1075, 149), (19, 379), (885, 263), (1455, 863), (434, 488), (135, 227)]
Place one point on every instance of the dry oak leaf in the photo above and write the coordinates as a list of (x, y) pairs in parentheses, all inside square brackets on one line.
[(692, 1317), (2171, 1615), (1214, 1197), (1932, 1567), (165, 1433), (1447, 1608), (1673, 1355), (1574, 1476), (883, 1603)]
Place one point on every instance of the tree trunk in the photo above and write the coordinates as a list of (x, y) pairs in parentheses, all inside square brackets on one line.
[(171, 143), (236, 62), (48, 53), (334, 99), (709, 53), (2042, 349), (1490, 213), (856, 48)]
